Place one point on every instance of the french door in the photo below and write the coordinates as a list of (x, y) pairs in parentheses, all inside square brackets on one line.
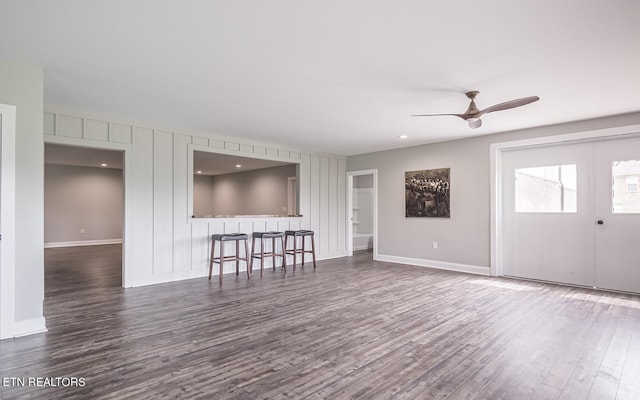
[(571, 214)]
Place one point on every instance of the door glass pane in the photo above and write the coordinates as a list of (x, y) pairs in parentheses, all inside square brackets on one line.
[(625, 193), (546, 189)]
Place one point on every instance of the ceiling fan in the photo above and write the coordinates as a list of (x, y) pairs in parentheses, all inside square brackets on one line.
[(472, 115)]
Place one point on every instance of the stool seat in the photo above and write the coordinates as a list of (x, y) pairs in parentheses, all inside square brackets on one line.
[(268, 235), (222, 258), (301, 232), (224, 237)]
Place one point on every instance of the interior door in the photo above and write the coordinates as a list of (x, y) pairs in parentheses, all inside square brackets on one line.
[(547, 216), (617, 222)]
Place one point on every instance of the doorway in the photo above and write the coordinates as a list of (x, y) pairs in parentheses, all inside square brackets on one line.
[(362, 216), (84, 216), (571, 213)]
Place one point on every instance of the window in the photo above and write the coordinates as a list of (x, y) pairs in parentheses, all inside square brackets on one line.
[(624, 191), (632, 184), (546, 189)]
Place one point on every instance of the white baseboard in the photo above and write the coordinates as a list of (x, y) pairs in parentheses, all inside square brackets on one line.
[(470, 269), (29, 327), (82, 243), (137, 281), (182, 275), (363, 247)]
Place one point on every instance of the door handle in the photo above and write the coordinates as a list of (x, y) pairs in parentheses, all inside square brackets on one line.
[(600, 222)]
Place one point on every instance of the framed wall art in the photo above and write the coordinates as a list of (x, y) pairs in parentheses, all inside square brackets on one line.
[(427, 193)]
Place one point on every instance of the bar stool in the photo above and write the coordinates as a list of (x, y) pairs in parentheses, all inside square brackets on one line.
[(295, 251), (273, 236), (227, 237)]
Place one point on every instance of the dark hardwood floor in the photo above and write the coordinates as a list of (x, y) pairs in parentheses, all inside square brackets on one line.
[(354, 328)]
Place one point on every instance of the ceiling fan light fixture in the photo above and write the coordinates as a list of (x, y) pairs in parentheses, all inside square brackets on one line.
[(474, 122)]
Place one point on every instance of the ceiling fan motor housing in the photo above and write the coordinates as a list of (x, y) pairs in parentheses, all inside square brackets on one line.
[(472, 109)]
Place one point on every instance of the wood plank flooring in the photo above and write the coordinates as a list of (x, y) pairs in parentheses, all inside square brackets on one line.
[(352, 329)]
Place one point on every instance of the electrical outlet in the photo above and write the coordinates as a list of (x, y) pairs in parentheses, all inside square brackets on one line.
[(81, 230), (435, 245)]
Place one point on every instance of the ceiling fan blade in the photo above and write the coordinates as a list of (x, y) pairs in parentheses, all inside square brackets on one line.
[(509, 104), (475, 123), (463, 116)]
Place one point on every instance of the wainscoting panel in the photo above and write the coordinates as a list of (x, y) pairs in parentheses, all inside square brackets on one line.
[(181, 229), (142, 223), (163, 244), (166, 243)]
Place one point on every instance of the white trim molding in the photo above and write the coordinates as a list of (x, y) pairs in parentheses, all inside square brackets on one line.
[(7, 219), (349, 208), (128, 173), (465, 268), (51, 245), (29, 327), (203, 273)]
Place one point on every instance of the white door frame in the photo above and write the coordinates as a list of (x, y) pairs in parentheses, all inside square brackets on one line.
[(127, 173), (350, 175), (292, 197), (7, 221), (495, 156)]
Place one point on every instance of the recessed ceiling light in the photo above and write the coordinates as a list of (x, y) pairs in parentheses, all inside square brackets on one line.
[(238, 165), (403, 136), (198, 172), (103, 164)]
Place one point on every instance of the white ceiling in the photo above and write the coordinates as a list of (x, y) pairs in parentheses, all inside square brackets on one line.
[(340, 77), (82, 156), (217, 164), (207, 162)]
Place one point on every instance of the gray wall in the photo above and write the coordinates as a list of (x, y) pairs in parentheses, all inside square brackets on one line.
[(86, 198), (202, 195), (23, 87), (257, 192), (465, 237)]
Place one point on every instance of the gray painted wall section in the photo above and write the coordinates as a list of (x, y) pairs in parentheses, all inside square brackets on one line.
[(261, 192), (202, 195), (82, 198)]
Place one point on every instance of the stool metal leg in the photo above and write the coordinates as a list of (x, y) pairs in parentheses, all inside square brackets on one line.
[(261, 256), (295, 251), (284, 254), (303, 252), (246, 258), (221, 261), (213, 248), (313, 251), (237, 259), (273, 253), (253, 252)]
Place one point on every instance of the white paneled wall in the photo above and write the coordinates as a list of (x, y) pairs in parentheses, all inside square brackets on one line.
[(162, 242)]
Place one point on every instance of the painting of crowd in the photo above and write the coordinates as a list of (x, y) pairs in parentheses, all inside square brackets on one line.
[(427, 193)]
